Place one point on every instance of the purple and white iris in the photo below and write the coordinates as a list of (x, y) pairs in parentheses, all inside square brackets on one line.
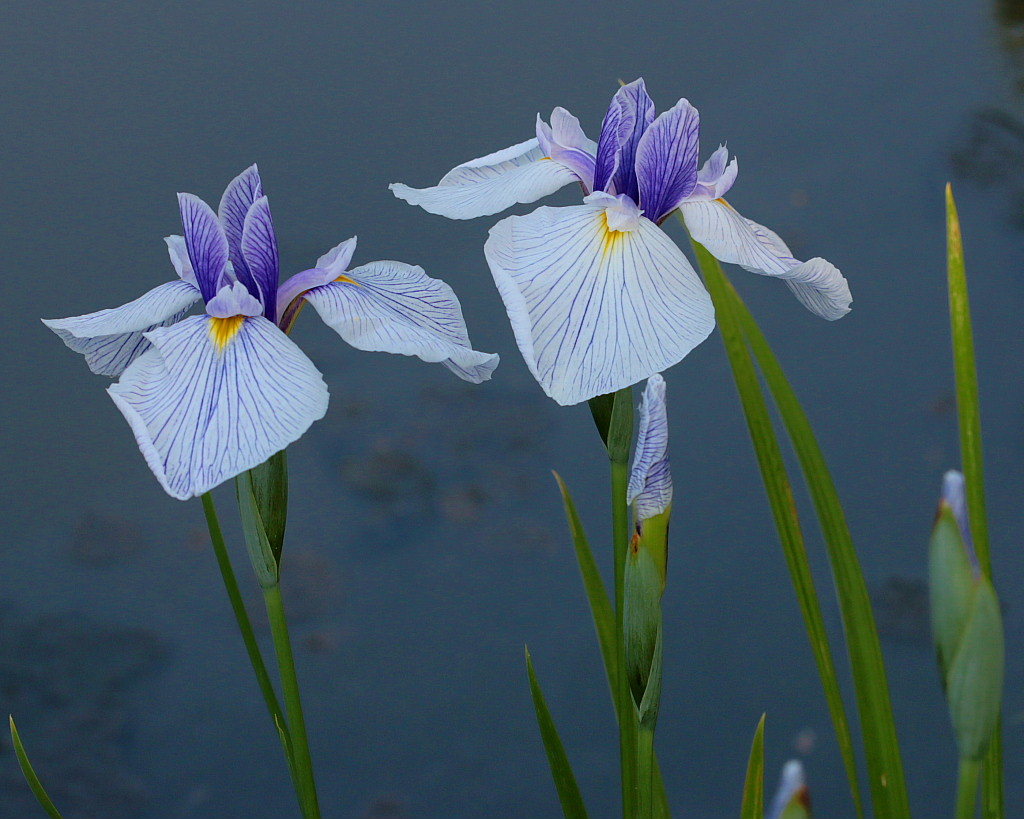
[(210, 396), (649, 491), (600, 298)]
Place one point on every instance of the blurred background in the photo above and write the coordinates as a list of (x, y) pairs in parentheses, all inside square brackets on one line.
[(426, 541)]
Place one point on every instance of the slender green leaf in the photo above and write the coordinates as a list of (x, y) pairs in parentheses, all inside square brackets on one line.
[(753, 786), (878, 725), (604, 618), (561, 770), (971, 454), (30, 775), (783, 506)]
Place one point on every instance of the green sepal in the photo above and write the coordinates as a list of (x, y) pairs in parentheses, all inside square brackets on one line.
[(264, 561), (974, 682), (950, 587), (641, 621), (270, 489)]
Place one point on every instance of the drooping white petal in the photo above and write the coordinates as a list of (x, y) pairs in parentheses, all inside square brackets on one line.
[(650, 480), (485, 186), (393, 307), (111, 339), (595, 310), (819, 285), (208, 402), (792, 789)]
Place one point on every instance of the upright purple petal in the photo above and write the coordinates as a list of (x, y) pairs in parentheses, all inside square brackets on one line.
[(259, 249), (615, 130), (206, 243), (666, 160), (238, 197), (638, 110)]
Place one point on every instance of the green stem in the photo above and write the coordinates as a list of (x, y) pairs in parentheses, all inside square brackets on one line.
[(967, 788), (627, 708), (227, 573), (293, 701), (645, 771)]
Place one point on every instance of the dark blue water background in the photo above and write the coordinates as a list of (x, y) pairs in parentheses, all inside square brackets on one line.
[(427, 543)]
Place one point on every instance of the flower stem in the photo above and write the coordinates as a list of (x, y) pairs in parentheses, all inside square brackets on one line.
[(645, 771), (967, 788), (227, 573), (293, 701)]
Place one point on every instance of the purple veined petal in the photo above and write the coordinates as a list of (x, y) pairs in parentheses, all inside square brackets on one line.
[(238, 197), (112, 339), (564, 141), (206, 243), (716, 177), (259, 249), (492, 183), (650, 480), (666, 160), (179, 258), (792, 788), (234, 300), (210, 400), (624, 130), (393, 307), (595, 310), (294, 286), (731, 238)]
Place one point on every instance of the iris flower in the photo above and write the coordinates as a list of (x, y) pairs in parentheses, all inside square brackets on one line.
[(212, 395), (650, 480), (599, 298)]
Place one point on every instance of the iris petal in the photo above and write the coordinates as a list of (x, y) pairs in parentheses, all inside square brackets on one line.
[(666, 160), (238, 197), (259, 248), (203, 412), (650, 480), (393, 307), (595, 310), (492, 183), (111, 339), (207, 245), (728, 236)]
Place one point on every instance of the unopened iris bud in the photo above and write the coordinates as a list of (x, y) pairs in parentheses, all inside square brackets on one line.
[(967, 625), (792, 799), (650, 494)]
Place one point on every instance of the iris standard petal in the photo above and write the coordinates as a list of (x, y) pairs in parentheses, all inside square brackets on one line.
[(206, 243), (238, 197), (716, 177), (650, 480), (210, 401), (564, 141), (111, 339), (636, 114), (666, 160), (179, 258), (595, 310), (393, 307), (819, 285), (259, 248), (337, 259), (492, 183)]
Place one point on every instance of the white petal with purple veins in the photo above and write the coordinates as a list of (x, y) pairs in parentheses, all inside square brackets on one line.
[(393, 307), (238, 197), (259, 249), (179, 258), (666, 160), (485, 186), (337, 259), (595, 310), (650, 480), (728, 236), (206, 405), (564, 141), (111, 339)]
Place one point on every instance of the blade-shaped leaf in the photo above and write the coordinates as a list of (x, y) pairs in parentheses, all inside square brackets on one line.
[(561, 771), (971, 456), (30, 775), (753, 786), (783, 506), (261, 553)]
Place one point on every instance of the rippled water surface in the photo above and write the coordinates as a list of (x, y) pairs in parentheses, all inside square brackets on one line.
[(426, 539)]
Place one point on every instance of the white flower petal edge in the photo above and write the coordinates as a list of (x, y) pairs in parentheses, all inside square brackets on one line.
[(393, 307), (650, 480), (488, 185), (112, 339), (204, 410), (731, 238), (595, 310), (791, 783)]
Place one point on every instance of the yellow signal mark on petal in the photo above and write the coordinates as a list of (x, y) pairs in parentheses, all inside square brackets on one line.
[(222, 330), (346, 279), (610, 238)]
